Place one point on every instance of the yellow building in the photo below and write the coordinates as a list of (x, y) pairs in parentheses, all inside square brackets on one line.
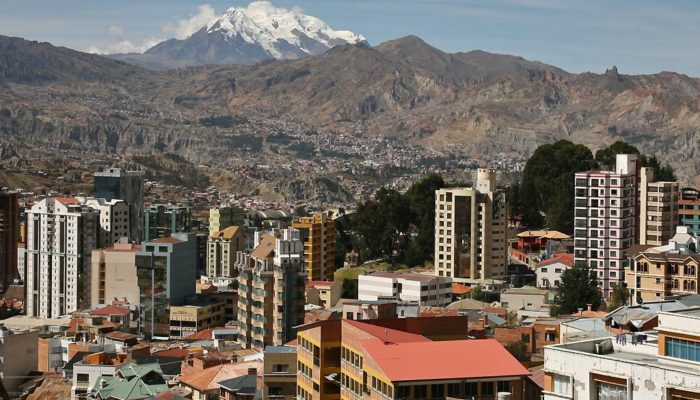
[(280, 372), (659, 272), (658, 209), (318, 234), (190, 319), (398, 359)]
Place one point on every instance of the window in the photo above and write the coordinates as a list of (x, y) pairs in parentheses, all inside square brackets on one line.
[(606, 391), (280, 368), (471, 388), (83, 377), (683, 349), (437, 391), (561, 384), (487, 389), (504, 386)]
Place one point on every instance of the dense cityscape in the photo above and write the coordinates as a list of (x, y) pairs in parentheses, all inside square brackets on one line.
[(200, 203)]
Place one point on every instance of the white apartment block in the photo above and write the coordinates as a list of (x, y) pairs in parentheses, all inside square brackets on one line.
[(114, 219), (470, 231), (427, 290), (665, 366), (605, 224), (222, 247), (61, 234), (658, 209)]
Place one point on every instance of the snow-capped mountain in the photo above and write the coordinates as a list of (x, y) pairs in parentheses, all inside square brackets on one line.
[(246, 35)]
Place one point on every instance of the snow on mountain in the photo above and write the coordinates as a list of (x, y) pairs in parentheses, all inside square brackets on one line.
[(275, 29), (246, 35)]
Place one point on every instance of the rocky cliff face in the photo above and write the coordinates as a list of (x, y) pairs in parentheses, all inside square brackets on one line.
[(476, 103)]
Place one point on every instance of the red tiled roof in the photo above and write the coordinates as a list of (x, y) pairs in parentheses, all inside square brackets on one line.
[(111, 310), (67, 200), (205, 334), (207, 379), (458, 288), (564, 258), (174, 352), (387, 334), (422, 361)]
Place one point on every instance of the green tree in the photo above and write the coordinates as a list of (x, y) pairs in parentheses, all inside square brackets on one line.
[(578, 288), (518, 350), (547, 187), (478, 293), (606, 156), (421, 200), (619, 297)]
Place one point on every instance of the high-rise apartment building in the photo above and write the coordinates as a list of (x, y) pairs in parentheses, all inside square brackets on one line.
[(222, 248), (163, 220), (113, 274), (318, 235), (658, 209), (113, 184), (689, 209), (470, 231), (426, 290), (9, 236), (271, 289), (605, 225), (61, 234), (221, 218), (114, 219), (166, 274)]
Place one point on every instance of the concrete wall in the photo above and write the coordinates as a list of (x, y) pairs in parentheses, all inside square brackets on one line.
[(18, 356)]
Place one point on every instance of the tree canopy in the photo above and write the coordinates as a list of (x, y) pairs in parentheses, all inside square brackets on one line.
[(545, 195), (398, 227), (577, 289)]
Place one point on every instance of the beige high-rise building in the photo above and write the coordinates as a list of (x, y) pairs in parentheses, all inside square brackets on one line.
[(658, 209), (318, 235), (470, 231), (222, 247), (113, 274), (271, 290), (221, 218)]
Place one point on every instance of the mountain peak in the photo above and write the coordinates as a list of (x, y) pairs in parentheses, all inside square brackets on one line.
[(247, 35)]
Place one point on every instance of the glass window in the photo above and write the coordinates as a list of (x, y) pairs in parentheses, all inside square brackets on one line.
[(683, 349), (487, 389), (561, 384), (606, 391)]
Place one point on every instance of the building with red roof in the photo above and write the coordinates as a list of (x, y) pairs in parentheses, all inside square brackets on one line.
[(401, 359), (549, 271)]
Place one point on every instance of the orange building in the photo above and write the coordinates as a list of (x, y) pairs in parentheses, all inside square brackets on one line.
[(318, 234)]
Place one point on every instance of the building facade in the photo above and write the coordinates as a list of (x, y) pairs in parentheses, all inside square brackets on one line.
[(222, 247), (427, 290), (164, 220), (392, 359), (18, 357), (61, 234), (113, 274), (189, 319), (470, 231), (658, 209), (318, 234), (662, 271), (114, 183), (271, 289), (664, 366), (280, 372), (689, 209), (221, 218), (605, 225), (9, 237), (166, 273), (114, 219)]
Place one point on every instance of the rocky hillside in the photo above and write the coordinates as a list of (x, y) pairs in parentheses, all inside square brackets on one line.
[(474, 103)]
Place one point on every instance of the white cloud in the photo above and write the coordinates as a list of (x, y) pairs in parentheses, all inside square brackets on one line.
[(126, 46), (186, 27), (266, 8), (115, 30)]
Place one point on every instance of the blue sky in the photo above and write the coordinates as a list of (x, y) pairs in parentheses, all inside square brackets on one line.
[(636, 35)]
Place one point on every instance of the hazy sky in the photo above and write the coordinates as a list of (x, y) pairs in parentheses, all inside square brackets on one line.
[(638, 36)]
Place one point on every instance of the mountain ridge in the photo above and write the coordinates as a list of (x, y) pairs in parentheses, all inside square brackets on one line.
[(492, 104)]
